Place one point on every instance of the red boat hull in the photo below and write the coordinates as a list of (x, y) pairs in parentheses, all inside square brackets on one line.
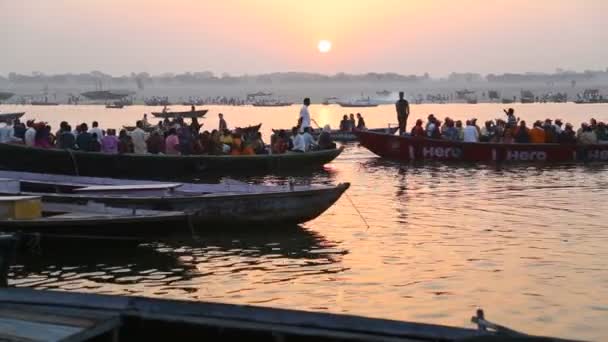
[(410, 149)]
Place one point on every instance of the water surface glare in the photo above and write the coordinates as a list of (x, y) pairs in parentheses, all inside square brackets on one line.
[(526, 243)]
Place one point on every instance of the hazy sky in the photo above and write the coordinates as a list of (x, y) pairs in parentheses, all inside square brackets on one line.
[(256, 36)]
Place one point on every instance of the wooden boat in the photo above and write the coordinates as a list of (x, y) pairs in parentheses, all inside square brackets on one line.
[(344, 136), (272, 104), (227, 204), (115, 106), (41, 315), (94, 218), (24, 158), (357, 104), (5, 95), (186, 114), (8, 117), (407, 148), (43, 103), (148, 129)]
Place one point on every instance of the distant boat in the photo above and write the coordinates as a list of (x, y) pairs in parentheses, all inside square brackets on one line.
[(272, 104), (330, 100), (115, 106), (43, 103), (383, 93), (7, 117), (359, 103), (507, 101), (5, 95), (185, 114), (106, 94), (472, 101)]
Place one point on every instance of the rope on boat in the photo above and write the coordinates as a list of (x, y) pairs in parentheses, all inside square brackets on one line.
[(74, 163), (357, 210)]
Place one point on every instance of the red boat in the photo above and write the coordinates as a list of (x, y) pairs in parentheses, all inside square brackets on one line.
[(417, 148)]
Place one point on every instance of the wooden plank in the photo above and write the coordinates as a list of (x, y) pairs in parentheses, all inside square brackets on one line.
[(17, 198), (14, 329), (31, 315), (129, 187)]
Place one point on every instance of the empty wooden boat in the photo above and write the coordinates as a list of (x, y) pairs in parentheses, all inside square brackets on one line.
[(33, 315), (227, 204), (90, 218)]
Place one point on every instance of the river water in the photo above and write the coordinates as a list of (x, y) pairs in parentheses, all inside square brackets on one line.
[(427, 243)]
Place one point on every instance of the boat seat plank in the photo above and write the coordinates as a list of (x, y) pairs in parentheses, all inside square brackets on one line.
[(19, 330), (39, 323), (164, 186)]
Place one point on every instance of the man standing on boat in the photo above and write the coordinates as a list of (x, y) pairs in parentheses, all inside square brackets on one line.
[(304, 119), (403, 111)]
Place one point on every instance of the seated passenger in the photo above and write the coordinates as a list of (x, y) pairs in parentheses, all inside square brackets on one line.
[(345, 124), (280, 144), (258, 145), (587, 135), (172, 142), (360, 122), (450, 132), (125, 143), (94, 145), (109, 143), (567, 136), (155, 143), (325, 142), (418, 130), (470, 132), (522, 133), (460, 130), (537, 133), (487, 132), (601, 132)]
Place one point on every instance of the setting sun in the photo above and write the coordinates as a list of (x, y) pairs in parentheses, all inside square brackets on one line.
[(324, 46)]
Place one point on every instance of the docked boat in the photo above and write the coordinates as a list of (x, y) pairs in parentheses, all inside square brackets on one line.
[(92, 218), (344, 136), (186, 114), (24, 158), (408, 148), (8, 117), (228, 204), (29, 314)]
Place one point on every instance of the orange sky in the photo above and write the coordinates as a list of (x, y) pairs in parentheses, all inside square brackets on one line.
[(246, 36)]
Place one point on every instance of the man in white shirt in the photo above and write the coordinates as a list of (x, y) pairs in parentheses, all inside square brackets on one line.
[(309, 141), (298, 143), (7, 133), (470, 133), (30, 134), (139, 138), (305, 115), (96, 129)]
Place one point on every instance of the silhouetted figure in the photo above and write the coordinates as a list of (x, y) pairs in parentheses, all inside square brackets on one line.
[(403, 111)]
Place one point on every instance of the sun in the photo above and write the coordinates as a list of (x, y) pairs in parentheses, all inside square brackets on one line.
[(324, 46)]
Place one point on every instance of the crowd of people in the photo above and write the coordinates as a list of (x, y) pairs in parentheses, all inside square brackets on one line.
[(170, 137), (348, 123), (511, 130)]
